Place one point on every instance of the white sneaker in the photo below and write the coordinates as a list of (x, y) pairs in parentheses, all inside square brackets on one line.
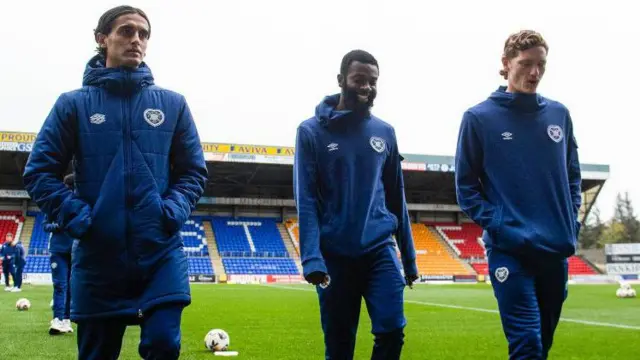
[(16, 290), (57, 327), (66, 323), (8, 288)]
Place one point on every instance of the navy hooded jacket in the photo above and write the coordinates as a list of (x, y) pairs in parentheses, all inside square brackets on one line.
[(13, 254), (60, 242), (7, 252), (349, 188), (139, 171), (518, 175)]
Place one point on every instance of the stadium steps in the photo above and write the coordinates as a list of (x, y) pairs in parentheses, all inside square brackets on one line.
[(593, 266), (27, 232), (445, 244), (214, 255), (288, 243), (293, 231), (432, 256)]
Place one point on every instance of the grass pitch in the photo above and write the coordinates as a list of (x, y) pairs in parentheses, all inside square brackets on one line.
[(282, 322)]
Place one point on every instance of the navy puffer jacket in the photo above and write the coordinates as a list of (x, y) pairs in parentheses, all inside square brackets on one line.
[(139, 172)]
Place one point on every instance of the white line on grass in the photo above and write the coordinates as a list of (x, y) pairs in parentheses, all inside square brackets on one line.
[(576, 321)]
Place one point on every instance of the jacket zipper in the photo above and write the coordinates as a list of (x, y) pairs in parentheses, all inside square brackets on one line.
[(127, 161)]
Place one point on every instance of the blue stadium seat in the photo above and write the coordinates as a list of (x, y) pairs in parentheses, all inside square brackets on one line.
[(39, 244), (37, 264), (260, 266), (230, 238), (269, 255), (200, 266), (233, 240), (267, 238), (194, 238), (193, 235)]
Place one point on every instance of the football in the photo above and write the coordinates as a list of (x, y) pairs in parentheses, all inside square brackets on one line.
[(625, 291), (23, 304), (217, 340)]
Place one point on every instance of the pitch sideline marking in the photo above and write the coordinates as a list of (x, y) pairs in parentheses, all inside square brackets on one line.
[(458, 307)]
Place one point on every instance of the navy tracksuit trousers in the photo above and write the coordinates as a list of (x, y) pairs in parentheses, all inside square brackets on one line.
[(101, 339), (9, 269), (530, 293), (61, 276), (377, 277)]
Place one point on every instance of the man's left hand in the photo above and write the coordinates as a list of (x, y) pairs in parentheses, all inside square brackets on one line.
[(410, 279)]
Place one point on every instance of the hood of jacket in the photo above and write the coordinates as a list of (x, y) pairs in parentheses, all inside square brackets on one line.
[(116, 80)]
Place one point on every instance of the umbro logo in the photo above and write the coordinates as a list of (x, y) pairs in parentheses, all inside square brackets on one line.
[(507, 135), (97, 119), (332, 147)]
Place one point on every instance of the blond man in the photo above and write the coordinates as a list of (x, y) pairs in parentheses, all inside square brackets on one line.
[(518, 177)]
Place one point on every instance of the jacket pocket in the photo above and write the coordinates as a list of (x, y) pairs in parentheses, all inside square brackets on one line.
[(497, 223)]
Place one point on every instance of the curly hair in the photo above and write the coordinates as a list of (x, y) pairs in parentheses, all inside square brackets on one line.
[(521, 41)]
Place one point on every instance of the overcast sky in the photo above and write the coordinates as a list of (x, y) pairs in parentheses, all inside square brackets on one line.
[(253, 70)]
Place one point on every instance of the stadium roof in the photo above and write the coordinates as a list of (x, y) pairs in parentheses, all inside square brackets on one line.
[(261, 175), (283, 155)]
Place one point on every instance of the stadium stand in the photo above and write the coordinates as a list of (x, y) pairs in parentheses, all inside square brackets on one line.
[(294, 232), (577, 266), (38, 253), (195, 245), (252, 246), (260, 266), (433, 258), (39, 244), (481, 268), (10, 222), (466, 238)]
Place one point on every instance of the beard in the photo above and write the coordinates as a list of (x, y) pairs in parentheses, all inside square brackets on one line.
[(352, 102)]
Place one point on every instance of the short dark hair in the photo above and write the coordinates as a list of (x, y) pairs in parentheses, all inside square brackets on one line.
[(69, 180), (105, 23), (359, 56)]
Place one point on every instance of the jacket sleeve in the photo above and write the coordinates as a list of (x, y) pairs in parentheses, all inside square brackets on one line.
[(50, 226), (305, 188), (575, 177), (20, 252), (49, 159), (469, 169), (188, 172), (393, 181)]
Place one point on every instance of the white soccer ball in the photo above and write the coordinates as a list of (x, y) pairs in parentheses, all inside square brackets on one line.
[(23, 304), (625, 292), (217, 340)]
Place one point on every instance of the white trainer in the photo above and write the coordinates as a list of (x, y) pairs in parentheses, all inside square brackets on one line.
[(56, 327), (15, 289), (66, 324)]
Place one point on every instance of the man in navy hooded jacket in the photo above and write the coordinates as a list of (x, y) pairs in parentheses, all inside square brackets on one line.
[(349, 192), (518, 177), (139, 172)]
